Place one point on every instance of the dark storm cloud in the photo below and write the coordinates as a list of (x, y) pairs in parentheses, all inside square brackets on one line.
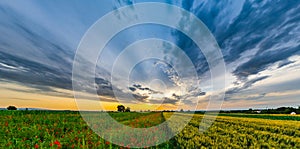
[(35, 74), (263, 26), (33, 56), (140, 87), (268, 31), (176, 96), (106, 89), (141, 98), (51, 68), (271, 27), (285, 63), (165, 100), (173, 101), (188, 102), (252, 81), (261, 62), (132, 89), (246, 85)]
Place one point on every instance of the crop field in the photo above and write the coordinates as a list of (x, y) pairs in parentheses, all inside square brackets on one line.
[(240, 132), (44, 129), (266, 116)]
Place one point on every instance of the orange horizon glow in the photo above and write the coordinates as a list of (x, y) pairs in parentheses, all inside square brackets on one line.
[(26, 97)]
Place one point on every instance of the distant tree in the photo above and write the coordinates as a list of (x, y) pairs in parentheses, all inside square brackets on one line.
[(11, 108), (288, 111), (121, 108), (181, 110), (127, 109), (249, 111)]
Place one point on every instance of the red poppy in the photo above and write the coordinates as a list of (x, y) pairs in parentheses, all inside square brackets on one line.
[(36, 146), (57, 143), (107, 143)]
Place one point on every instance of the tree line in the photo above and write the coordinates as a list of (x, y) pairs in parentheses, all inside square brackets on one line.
[(280, 110)]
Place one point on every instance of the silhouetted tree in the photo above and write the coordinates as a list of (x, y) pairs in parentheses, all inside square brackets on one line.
[(11, 108), (127, 109), (121, 108)]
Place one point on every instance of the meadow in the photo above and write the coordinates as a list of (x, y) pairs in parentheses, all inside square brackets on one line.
[(50, 129)]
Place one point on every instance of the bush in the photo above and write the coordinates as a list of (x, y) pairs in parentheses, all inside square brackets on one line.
[(11, 108)]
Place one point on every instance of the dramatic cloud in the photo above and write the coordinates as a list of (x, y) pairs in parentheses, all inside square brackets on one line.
[(33, 73), (259, 41), (139, 87), (284, 63), (245, 85)]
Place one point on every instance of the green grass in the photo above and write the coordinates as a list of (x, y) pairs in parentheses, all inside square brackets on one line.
[(53, 129), (265, 116)]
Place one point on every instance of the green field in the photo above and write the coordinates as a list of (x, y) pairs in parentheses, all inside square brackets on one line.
[(266, 116), (49, 129)]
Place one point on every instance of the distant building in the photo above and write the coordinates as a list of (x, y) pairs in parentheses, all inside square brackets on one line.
[(293, 113), (258, 111)]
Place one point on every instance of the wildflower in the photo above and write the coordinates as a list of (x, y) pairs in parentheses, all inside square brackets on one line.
[(36, 146), (76, 138), (98, 143), (57, 143)]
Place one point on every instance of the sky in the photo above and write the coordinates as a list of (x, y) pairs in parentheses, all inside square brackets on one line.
[(259, 41)]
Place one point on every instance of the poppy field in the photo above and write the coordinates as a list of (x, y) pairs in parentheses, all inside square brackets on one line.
[(53, 129), (50, 129)]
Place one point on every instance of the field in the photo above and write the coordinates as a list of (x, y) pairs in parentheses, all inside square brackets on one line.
[(266, 116), (240, 132), (45, 129)]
